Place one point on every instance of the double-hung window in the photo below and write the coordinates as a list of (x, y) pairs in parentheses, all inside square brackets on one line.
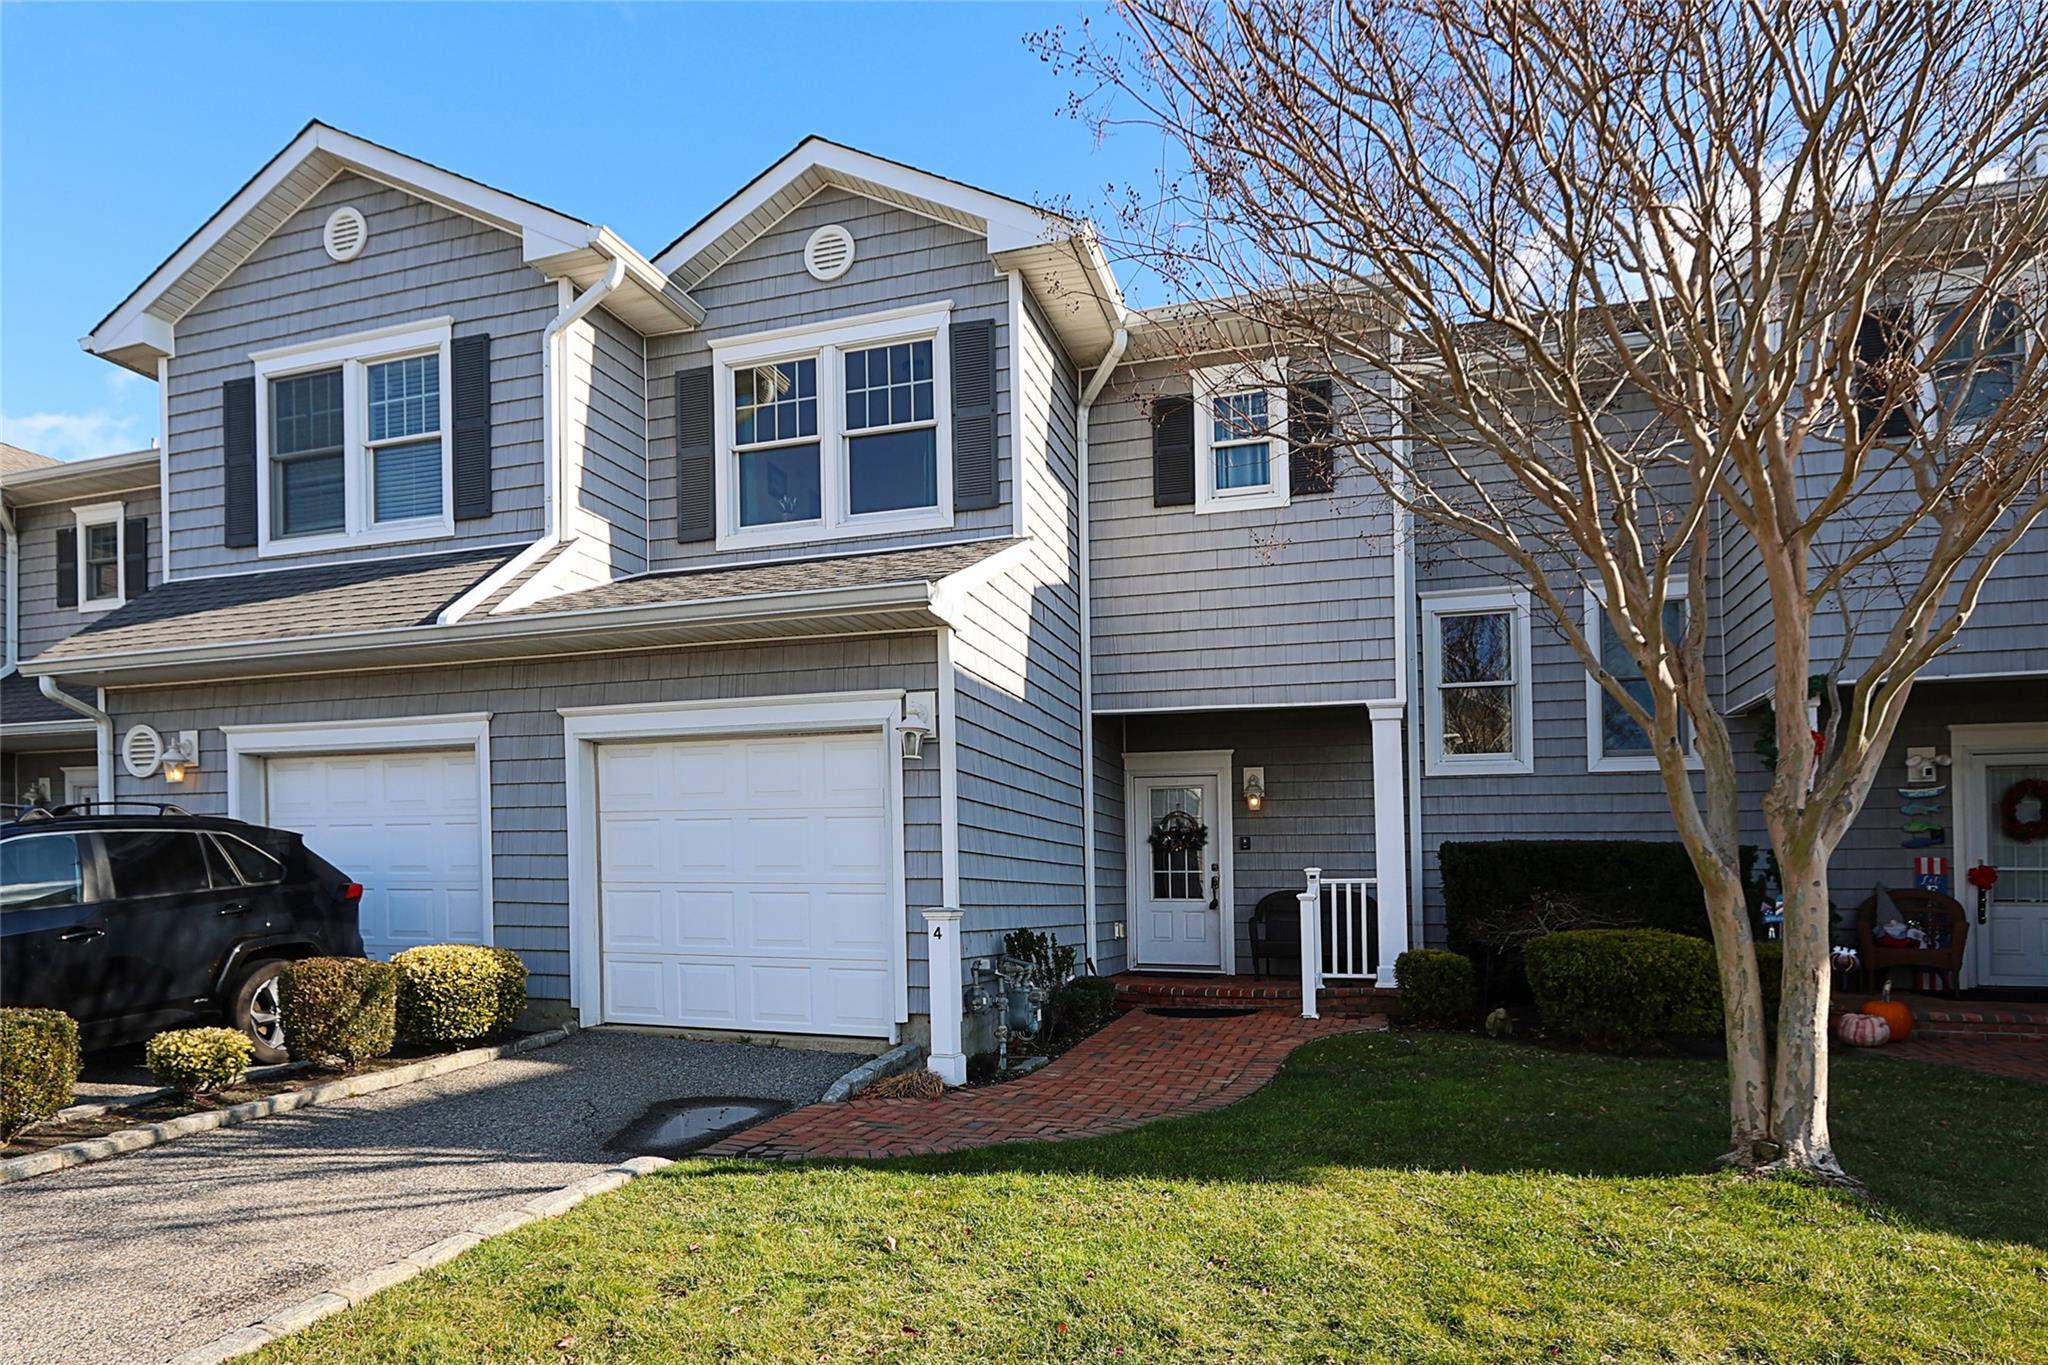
[(835, 430), (1240, 438), (1476, 665), (352, 435), (102, 531), (1614, 742), (1976, 371)]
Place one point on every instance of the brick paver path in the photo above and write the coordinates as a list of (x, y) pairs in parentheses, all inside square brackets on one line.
[(2021, 1059), (1140, 1068)]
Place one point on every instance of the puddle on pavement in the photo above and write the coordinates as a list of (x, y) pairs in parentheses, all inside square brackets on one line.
[(678, 1127), (1195, 1012)]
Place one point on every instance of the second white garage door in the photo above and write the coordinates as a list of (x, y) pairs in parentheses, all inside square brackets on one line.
[(745, 884), (405, 825)]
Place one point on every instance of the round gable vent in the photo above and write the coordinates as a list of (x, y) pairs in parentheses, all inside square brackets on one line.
[(142, 749), (346, 232), (829, 252)]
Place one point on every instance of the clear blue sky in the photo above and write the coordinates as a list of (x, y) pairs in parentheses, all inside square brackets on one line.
[(123, 127)]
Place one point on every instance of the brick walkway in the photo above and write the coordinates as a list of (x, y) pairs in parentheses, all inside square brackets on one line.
[(1140, 1068), (2020, 1059)]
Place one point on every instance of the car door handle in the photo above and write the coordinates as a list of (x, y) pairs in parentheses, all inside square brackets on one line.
[(80, 935), (235, 908)]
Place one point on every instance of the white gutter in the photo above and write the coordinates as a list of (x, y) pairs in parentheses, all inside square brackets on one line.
[(554, 433), (102, 722), (1117, 345)]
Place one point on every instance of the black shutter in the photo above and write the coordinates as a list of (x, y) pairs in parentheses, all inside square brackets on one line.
[(696, 456), (1173, 452), (67, 567), (135, 557), (238, 461), (974, 414), (1311, 464), (1880, 336), (469, 365)]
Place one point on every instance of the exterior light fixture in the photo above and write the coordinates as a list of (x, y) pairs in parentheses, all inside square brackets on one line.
[(919, 723), (1254, 788), (180, 757)]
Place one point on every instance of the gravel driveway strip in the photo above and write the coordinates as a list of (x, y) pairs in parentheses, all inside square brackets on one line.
[(139, 1258)]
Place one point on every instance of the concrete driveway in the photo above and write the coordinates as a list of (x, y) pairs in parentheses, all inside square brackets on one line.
[(147, 1255)]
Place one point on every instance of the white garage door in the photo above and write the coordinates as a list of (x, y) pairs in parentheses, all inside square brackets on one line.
[(405, 825), (745, 884)]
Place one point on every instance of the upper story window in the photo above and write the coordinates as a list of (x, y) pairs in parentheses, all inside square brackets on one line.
[(1614, 742), (350, 436), (1240, 438), (1977, 369), (835, 430), (102, 551), (1476, 665)]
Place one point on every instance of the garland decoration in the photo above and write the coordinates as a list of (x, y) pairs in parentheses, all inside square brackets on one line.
[(1179, 832)]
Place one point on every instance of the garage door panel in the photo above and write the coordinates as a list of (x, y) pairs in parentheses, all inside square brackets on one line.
[(705, 920), (779, 920), (855, 847), (629, 849), (855, 921), (635, 919), (781, 770), (862, 998), (775, 847), (636, 990), (702, 846), (852, 772)]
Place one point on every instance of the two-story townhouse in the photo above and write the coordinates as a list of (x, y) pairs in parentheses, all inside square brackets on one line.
[(82, 539)]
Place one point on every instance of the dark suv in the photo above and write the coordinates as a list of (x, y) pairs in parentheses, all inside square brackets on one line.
[(131, 921)]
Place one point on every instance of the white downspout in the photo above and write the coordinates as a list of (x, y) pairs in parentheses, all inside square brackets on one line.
[(102, 722), (1117, 345), (554, 445)]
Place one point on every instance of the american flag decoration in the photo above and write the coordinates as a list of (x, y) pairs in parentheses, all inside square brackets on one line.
[(1931, 874)]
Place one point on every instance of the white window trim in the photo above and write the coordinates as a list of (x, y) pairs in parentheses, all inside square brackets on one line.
[(353, 353), (1598, 760), (1934, 293), (1437, 605), (1238, 378), (101, 514), (824, 342)]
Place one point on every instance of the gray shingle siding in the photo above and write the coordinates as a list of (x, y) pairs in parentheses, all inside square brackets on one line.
[(529, 843), (421, 261), (43, 622), (608, 423), (1273, 607), (900, 259)]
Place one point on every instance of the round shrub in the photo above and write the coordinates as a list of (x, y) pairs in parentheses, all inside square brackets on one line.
[(196, 1060), (338, 1009), (1621, 988), (1435, 985), (38, 1066), (458, 992)]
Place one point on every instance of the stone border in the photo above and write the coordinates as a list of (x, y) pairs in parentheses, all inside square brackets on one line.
[(898, 1059), (347, 1087), (93, 1109), (306, 1312)]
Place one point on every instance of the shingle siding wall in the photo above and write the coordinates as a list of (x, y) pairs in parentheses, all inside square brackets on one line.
[(1273, 607), (900, 259), (43, 622), (529, 842), (1112, 861), (1019, 685), (421, 261), (608, 425)]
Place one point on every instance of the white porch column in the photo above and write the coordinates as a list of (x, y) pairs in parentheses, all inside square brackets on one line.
[(1389, 833), (942, 962), (1311, 942)]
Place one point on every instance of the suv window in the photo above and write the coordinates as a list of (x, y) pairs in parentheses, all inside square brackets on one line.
[(251, 863), (155, 862), (38, 870)]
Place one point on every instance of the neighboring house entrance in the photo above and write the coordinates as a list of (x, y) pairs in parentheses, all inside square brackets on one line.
[(81, 785), (1992, 762), (1178, 892)]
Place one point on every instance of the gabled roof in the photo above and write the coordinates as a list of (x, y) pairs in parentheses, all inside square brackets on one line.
[(77, 480), (15, 460), (142, 327), (1059, 257)]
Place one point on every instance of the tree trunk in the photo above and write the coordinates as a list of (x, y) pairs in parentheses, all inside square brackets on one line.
[(1800, 1085), (1749, 1069)]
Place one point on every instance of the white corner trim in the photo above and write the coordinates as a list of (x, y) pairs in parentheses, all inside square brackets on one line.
[(1452, 602), (949, 773)]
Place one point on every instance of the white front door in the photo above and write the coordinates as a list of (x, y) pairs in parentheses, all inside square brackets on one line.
[(2011, 944), (1178, 890)]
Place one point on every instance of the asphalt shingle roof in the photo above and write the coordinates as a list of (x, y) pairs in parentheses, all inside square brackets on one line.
[(23, 703)]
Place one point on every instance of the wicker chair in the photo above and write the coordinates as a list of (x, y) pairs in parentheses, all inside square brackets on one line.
[(1930, 910), (1276, 930)]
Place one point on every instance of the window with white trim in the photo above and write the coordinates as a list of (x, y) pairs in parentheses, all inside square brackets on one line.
[(838, 429), (1976, 371), (1476, 674), (1614, 742), (1240, 438), (102, 549), (352, 440)]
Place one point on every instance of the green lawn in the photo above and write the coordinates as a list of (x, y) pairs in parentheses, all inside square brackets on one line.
[(1402, 1197)]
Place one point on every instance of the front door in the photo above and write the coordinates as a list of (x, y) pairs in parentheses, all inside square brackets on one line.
[(2011, 932), (1179, 884)]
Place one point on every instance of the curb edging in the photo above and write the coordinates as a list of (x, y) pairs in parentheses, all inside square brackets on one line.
[(126, 1140), (902, 1057), (306, 1312)]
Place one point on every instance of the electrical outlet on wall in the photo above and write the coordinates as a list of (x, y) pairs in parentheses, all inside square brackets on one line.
[(1117, 930)]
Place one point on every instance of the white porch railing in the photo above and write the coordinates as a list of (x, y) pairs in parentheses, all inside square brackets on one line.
[(1340, 933)]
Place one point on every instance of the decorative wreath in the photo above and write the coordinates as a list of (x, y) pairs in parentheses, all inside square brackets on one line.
[(2018, 794), (1179, 832)]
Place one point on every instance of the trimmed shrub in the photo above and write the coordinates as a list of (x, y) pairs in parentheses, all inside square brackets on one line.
[(338, 1009), (1436, 986), (39, 1066), (196, 1060), (458, 992), (1079, 1007), (1621, 988)]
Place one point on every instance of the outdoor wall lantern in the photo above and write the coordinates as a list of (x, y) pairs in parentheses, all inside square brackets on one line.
[(919, 723), (1254, 788)]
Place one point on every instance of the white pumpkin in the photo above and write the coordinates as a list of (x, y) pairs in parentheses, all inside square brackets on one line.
[(1863, 1030)]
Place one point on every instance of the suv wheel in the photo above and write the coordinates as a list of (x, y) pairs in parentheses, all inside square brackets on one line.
[(255, 1010)]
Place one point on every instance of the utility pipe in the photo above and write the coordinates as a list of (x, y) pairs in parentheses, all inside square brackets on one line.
[(13, 591), (554, 433), (102, 722), (1117, 345)]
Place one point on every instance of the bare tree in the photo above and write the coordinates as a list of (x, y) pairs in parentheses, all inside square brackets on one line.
[(1636, 277)]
